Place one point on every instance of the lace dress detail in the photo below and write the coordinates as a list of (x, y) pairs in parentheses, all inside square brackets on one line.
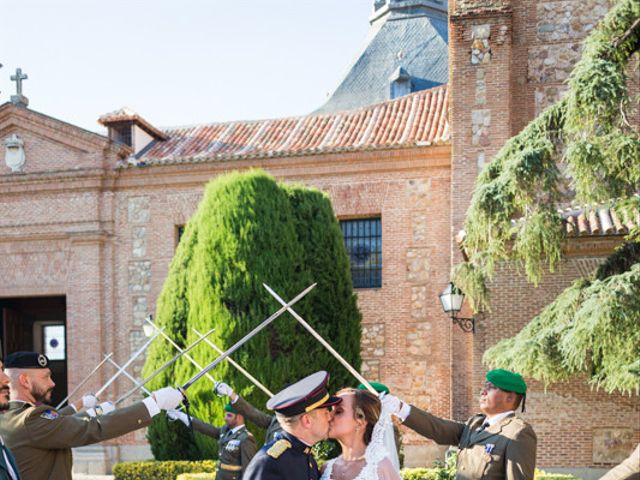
[(377, 450)]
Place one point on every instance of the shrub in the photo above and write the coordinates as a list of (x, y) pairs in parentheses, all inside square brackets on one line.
[(160, 470), (249, 230), (196, 476)]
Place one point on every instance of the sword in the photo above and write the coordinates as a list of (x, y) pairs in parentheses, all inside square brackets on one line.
[(237, 365), (244, 339), (126, 374), (326, 345), (84, 380), (155, 373), (126, 364), (177, 347)]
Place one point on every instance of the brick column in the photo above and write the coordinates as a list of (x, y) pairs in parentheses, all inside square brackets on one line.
[(481, 92)]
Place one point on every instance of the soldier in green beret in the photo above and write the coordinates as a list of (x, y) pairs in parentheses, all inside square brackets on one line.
[(251, 413), (236, 444), (494, 444)]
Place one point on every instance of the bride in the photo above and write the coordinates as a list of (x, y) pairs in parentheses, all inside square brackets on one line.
[(365, 433)]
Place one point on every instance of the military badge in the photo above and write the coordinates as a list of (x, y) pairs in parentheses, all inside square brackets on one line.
[(232, 445), (488, 448), (49, 414), (278, 448)]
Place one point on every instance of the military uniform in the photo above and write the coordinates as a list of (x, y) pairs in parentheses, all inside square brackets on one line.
[(289, 458), (8, 467), (505, 450), (41, 438), (236, 448), (261, 419), (285, 459), (629, 469)]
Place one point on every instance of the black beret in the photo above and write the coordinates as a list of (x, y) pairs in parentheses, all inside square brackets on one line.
[(26, 360), (303, 396)]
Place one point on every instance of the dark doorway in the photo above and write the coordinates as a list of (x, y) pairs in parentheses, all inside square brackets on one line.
[(37, 324)]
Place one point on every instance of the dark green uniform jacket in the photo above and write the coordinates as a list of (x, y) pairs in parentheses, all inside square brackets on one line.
[(627, 470), (284, 459), (261, 419), (6, 455), (41, 438), (235, 449), (505, 450)]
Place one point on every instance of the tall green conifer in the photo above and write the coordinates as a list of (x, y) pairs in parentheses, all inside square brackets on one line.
[(250, 230)]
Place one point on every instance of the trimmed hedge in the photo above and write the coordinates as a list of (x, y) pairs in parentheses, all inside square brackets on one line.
[(161, 470), (440, 473), (196, 476), (205, 470)]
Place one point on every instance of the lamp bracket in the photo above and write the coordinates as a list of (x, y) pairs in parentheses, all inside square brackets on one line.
[(466, 324)]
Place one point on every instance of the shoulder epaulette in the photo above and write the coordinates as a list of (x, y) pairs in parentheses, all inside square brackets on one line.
[(278, 448)]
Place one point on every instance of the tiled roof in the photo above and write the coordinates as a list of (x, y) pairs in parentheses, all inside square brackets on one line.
[(598, 220), (418, 119), (125, 114), (410, 35)]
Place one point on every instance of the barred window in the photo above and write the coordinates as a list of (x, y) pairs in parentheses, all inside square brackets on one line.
[(363, 239)]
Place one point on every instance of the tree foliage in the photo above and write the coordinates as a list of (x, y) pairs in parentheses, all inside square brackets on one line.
[(249, 230), (582, 149)]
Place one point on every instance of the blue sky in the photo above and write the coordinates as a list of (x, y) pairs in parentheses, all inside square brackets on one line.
[(179, 62)]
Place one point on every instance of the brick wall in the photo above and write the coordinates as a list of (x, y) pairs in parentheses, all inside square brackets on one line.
[(508, 61)]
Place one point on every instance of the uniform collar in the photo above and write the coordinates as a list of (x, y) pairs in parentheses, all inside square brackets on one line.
[(498, 418), (296, 443), (237, 429), (16, 404)]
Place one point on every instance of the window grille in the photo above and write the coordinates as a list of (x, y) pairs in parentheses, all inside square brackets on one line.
[(363, 240)]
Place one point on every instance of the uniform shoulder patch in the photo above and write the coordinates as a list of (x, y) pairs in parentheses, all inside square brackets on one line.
[(49, 414), (278, 448)]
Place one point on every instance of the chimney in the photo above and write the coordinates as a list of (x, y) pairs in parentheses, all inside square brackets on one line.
[(126, 127)]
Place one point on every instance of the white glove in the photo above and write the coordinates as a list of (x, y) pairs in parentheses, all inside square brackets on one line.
[(391, 404), (222, 389), (105, 407), (89, 400), (167, 398), (178, 415), (102, 409)]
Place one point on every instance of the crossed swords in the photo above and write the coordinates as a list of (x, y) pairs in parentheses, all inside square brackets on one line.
[(223, 355)]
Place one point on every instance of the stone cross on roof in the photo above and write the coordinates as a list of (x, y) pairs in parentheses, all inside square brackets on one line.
[(18, 98), (18, 78)]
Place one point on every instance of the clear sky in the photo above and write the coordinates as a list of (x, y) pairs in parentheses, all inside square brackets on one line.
[(178, 62)]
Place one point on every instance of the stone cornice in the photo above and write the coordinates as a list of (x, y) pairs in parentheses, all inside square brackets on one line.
[(316, 166)]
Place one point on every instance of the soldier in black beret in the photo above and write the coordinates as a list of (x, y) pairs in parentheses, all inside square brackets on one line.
[(41, 437), (303, 410)]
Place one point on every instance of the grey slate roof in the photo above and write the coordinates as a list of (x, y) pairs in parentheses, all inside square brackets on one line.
[(407, 34)]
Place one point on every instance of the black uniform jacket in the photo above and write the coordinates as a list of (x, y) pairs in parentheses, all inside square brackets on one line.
[(284, 459)]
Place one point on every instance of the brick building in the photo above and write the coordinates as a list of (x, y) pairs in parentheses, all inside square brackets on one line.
[(89, 223)]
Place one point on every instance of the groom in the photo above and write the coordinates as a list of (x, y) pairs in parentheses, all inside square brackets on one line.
[(302, 409)]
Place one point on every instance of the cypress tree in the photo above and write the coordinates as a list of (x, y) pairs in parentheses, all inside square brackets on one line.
[(249, 230)]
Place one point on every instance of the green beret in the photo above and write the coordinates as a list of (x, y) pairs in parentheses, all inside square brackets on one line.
[(229, 408), (377, 386), (506, 380)]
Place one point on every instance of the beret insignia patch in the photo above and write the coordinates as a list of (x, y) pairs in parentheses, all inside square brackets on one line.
[(42, 360)]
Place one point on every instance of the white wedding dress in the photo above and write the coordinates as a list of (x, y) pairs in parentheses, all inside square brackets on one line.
[(382, 446)]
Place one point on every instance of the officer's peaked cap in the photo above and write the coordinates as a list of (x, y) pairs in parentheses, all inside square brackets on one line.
[(303, 396)]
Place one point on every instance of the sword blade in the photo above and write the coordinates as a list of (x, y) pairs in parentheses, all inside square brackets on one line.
[(157, 371), (246, 338), (126, 364), (251, 378), (177, 347), (84, 380), (126, 374), (324, 343)]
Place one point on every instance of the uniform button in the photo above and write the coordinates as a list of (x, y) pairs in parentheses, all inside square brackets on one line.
[(139, 421)]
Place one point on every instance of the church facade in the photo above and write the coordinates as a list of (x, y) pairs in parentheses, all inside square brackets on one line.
[(89, 223)]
